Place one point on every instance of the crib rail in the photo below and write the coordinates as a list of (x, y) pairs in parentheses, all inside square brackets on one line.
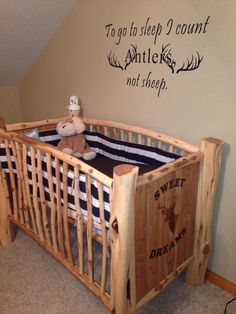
[(118, 131), (41, 124), (140, 135), (39, 201)]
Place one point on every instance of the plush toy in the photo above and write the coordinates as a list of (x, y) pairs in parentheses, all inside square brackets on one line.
[(73, 140)]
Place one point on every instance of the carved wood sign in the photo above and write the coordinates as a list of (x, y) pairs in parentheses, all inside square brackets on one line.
[(164, 226), (161, 53), (170, 216)]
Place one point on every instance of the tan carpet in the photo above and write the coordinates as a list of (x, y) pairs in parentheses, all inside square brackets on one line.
[(33, 282)]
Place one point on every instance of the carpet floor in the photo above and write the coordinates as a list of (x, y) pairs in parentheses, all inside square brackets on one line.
[(33, 282)]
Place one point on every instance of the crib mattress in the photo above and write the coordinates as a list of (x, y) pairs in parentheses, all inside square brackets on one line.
[(106, 165)]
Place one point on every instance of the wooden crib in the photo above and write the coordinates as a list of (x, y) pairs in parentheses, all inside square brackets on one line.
[(160, 221)]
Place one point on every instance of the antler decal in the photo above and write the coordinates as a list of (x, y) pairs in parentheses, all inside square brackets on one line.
[(130, 56), (113, 61), (166, 57), (192, 64)]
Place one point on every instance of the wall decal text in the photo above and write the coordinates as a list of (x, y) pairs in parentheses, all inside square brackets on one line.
[(159, 54)]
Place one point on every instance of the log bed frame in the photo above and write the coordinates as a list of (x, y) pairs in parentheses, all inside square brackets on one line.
[(160, 221)]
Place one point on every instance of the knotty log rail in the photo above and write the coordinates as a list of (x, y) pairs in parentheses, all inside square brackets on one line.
[(209, 174), (150, 213), (122, 238)]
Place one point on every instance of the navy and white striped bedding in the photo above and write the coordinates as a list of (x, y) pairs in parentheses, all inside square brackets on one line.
[(70, 187), (118, 150), (108, 147)]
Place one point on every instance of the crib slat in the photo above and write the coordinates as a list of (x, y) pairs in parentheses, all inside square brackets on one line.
[(79, 215), (12, 179), (21, 174), (35, 193), (171, 149), (112, 294), (89, 229), (139, 139), (105, 131), (27, 189), (42, 198), (59, 208), (65, 213), (19, 182), (122, 137), (130, 137), (52, 203), (149, 141), (104, 238), (159, 145), (114, 133)]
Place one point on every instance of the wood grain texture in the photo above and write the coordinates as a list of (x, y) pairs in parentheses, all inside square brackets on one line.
[(6, 236), (122, 239), (209, 173), (164, 226)]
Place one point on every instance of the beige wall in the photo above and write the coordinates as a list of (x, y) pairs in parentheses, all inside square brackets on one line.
[(192, 104), (10, 108)]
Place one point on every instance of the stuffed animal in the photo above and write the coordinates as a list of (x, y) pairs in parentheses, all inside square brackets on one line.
[(73, 140)]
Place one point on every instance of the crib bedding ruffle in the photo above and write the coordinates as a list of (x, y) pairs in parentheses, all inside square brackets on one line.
[(110, 152)]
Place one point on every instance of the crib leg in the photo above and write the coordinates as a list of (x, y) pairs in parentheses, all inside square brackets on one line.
[(209, 173), (6, 230), (123, 286)]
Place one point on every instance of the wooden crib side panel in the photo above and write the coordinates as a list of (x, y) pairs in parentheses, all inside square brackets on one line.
[(41, 191), (164, 229), (139, 135)]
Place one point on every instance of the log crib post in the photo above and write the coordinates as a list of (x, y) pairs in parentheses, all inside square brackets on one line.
[(122, 234), (6, 233), (2, 124), (208, 179)]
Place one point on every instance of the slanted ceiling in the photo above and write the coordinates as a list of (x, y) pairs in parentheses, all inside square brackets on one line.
[(26, 27)]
